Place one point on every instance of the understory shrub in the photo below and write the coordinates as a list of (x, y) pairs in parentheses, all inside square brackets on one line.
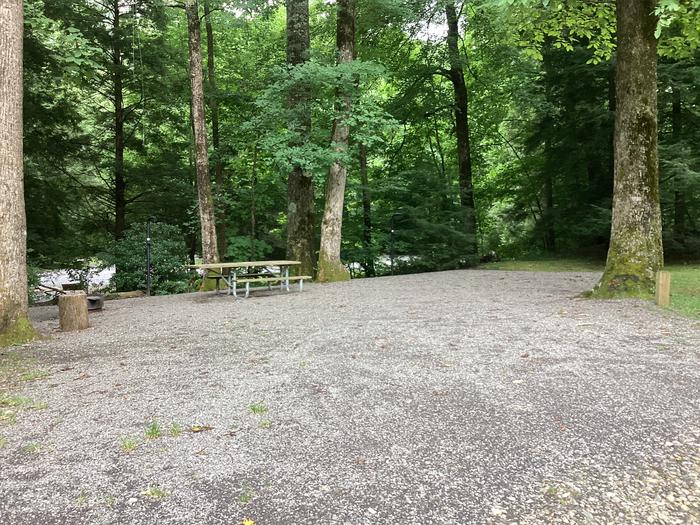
[(168, 260)]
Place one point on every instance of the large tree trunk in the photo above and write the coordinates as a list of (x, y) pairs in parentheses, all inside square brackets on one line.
[(330, 267), (215, 135), (680, 209), (210, 252), (119, 116), (466, 188), (300, 185), (636, 251), (366, 214), (14, 326)]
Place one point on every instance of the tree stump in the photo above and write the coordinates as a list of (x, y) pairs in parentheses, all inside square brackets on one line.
[(73, 311)]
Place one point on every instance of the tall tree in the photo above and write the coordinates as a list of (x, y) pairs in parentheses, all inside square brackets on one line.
[(330, 267), (215, 134), (636, 252), (119, 117), (210, 252), (300, 186), (461, 98), (366, 214), (14, 326)]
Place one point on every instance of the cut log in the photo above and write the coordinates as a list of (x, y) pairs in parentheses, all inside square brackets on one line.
[(73, 311)]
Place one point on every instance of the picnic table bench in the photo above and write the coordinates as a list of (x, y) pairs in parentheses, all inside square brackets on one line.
[(249, 273)]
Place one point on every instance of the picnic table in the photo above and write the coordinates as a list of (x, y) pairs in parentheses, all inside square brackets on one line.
[(248, 273)]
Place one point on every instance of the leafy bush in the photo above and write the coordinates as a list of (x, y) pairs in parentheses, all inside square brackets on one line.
[(168, 259), (245, 249), (33, 280)]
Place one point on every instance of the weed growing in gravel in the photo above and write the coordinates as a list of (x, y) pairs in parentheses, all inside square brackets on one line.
[(258, 408), (154, 493), (8, 417), (33, 375), (32, 448), (265, 423), (11, 405), (175, 430), (81, 499), (246, 496), (153, 430), (3, 442), (128, 444)]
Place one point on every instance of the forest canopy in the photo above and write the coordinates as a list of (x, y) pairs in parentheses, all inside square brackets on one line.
[(457, 129)]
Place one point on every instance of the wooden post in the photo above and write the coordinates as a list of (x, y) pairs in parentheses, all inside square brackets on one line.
[(73, 311), (663, 289)]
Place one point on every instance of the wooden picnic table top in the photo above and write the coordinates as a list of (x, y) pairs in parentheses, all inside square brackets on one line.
[(243, 264)]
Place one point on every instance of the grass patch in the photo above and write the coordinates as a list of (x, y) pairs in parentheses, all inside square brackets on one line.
[(153, 430), (33, 375), (258, 408), (265, 423), (3, 442), (246, 496), (154, 493), (175, 430), (32, 448), (548, 265), (685, 278), (128, 445)]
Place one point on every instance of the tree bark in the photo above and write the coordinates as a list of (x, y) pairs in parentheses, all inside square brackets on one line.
[(330, 267), (222, 241), (464, 160), (680, 208), (366, 214), (14, 326), (210, 252), (300, 186), (119, 117), (636, 251)]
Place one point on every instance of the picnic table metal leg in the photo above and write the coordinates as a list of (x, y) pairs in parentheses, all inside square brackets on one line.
[(286, 277), (247, 290), (301, 285), (232, 285)]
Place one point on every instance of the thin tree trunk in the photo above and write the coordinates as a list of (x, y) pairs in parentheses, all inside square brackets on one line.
[(680, 208), (330, 267), (253, 211), (14, 326), (636, 251), (464, 159), (210, 252), (215, 135), (300, 185), (119, 116), (366, 214)]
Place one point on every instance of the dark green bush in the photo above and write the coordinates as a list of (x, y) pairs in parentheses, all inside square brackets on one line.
[(168, 260)]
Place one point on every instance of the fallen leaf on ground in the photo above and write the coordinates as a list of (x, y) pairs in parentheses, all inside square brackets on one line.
[(200, 428)]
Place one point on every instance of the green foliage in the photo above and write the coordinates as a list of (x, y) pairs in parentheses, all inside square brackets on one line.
[(168, 256)]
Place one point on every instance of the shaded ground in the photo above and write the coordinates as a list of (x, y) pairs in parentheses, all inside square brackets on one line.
[(455, 397)]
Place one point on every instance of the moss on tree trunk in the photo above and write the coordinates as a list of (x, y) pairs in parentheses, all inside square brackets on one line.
[(17, 332), (636, 251)]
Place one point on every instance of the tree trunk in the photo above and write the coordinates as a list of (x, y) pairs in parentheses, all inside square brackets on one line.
[(330, 267), (222, 241), (464, 160), (14, 326), (680, 209), (636, 251), (366, 214), (210, 252), (119, 116), (300, 186)]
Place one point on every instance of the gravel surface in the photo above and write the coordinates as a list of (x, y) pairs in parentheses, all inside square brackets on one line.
[(455, 397)]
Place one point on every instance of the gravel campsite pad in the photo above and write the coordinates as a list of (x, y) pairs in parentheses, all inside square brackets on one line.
[(454, 397)]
